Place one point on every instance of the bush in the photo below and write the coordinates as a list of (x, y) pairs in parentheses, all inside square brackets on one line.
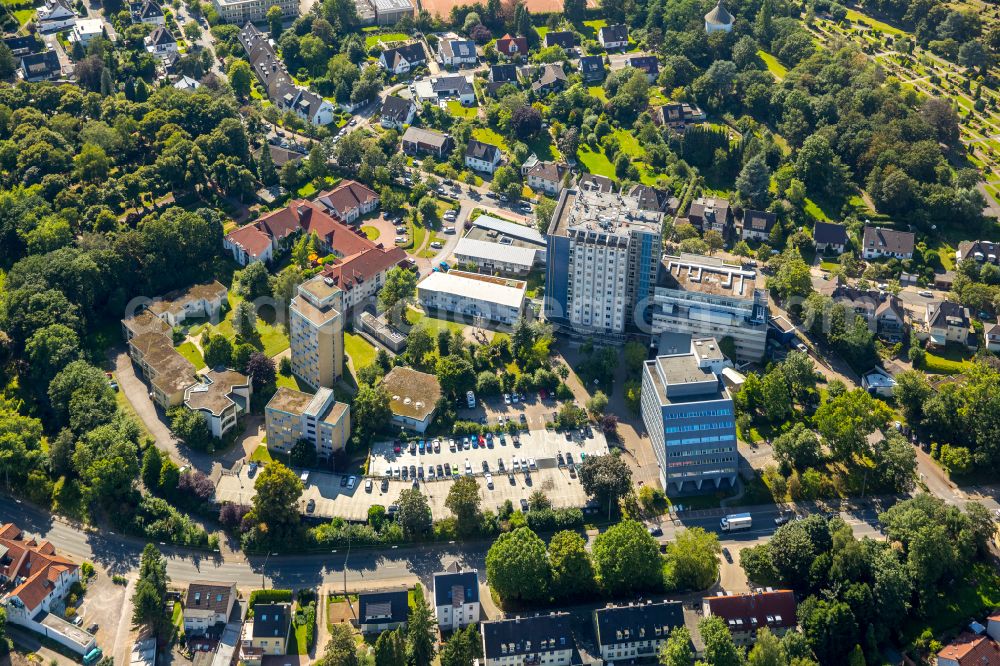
[(87, 570), (269, 597)]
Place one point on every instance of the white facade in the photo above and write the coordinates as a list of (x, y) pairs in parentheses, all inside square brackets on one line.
[(86, 30), (456, 599), (483, 165), (240, 12), (597, 284), (473, 295), (496, 257), (55, 16)]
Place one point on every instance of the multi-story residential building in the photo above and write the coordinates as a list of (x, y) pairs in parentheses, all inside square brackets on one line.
[(883, 312), (220, 397), (241, 12), (169, 374), (705, 296), (517, 641), (757, 224), (495, 258), (349, 201), (200, 300), (635, 631), (480, 156), (831, 237), (456, 598), (147, 12), (265, 634), (546, 177), (87, 30), (454, 52), (416, 140), (397, 112), (879, 242), (402, 59), (745, 614), (689, 416), (613, 36), (494, 299), (602, 259), (981, 251), (207, 605), (382, 611), (718, 19), (415, 397), (707, 213), (946, 322), (292, 415), (316, 332), (36, 581), (360, 276), (281, 89)]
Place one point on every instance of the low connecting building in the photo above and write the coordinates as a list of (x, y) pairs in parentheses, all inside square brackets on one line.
[(473, 295), (635, 631), (705, 296), (493, 258), (36, 581), (207, 605), (291, 416), (383, 611), (542, 639), (689, 415), (220, 396), (316, 332), (456, 598), (745, 614), (413, 397)]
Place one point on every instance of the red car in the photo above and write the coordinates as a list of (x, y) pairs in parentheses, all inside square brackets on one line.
[(396, 448), (482, 440), (543, 394)]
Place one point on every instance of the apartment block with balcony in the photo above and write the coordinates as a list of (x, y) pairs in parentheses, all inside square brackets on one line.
[(690, 418), (292, 415), (527, 641), (603, 253), (706, 297), (316, 332), (636, 630)]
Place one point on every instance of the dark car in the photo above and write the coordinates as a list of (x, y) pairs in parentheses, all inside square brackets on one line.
[(656, 531), (559, 458), (385, 485), (524, 504), (781, 519), (440, 471), (726, 554), (447, 469), (413, 471), (343, 481)]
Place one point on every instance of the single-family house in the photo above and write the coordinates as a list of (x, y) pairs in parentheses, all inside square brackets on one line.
[(23, 45), (266, 633), (148, 12), (879, 242), (552, 78), (417, 140), (160, 42), (207, 605), (947, 322), (86, 30), (595, 182), (349, 201), (613, 36), (402, 59), (980, 251), (40, 66), (746, 613), (55, 16), (710, 213), (829, 236), (677, 116), (566, 39), (413, 397), (512, 47), (592, 68), (968, 649), (454, 87), (647, 63), (757, 224), (654, 200), (382, 611), (993, 340), (396, 112), (540, 639), (883, 311), (481, 156), (635, 631), (547, 177), (456, 597), (185, 82), (457, 52)]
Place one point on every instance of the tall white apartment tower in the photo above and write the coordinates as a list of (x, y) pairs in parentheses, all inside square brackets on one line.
[(316, 328)]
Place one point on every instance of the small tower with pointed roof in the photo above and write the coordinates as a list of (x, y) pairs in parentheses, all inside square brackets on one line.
[(718, 20)]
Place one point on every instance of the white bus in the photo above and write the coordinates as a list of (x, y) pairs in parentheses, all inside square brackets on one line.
[(735, 522)]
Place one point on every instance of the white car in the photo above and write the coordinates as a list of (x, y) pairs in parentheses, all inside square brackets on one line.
[(515, 464), (451, 445), (925, 294), (352, 481), (489, 480), (531, 463), (400, 239), (506, 398), (468, 467), (436, 245)]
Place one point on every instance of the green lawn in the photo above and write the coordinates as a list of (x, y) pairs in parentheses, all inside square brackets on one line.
[(371, 232), (299, 646), (971, 597), (270, 339), (595, 162), (773, 65), (590, 29), (22, 16), (813, 209), (361, 351), (290, 381), (629, 144), (952, 360), (858, 17), (261, 455), (598, 92), (372, 40), (487, 135), (191, 353), (456, 109), (415, 316), (306, 190)]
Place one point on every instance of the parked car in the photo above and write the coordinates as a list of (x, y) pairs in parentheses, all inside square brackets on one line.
[(781, 519), (506, 398), (470, 398), (468, 467), (489, 481), (343, 481), (351, 482), (524, 505), (368, 485), (310, 505), (656, 531), (447, 469), (486, 466), (441, 471)]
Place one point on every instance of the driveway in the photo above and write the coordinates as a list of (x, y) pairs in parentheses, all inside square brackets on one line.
[(137, 393)]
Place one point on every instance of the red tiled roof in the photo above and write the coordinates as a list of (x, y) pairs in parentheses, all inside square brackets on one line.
[(251, 239), (761, 606), (363, 266), (37, 563), (503, 44), (971, 649), (347, 196)]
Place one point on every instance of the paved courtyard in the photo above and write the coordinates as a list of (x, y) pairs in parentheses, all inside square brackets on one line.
[(352, 503)]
